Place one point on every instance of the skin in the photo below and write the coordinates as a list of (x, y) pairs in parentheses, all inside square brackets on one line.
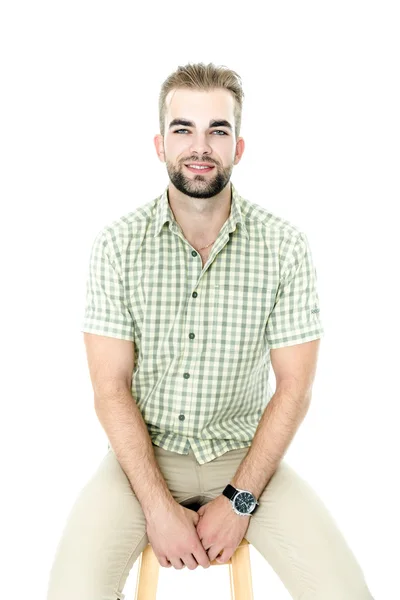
[(220, 529), (201, 205), (200, 202)]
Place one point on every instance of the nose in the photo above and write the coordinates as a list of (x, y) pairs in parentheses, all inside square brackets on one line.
[(199, 144)]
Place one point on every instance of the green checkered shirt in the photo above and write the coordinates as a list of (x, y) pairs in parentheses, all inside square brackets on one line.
[(202, 335)]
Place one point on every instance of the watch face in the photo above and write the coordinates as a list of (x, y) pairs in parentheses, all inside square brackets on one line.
[(244, 502)]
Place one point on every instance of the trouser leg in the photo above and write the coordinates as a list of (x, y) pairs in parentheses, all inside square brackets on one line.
[(295, 533), (104, 534), (300, 539)]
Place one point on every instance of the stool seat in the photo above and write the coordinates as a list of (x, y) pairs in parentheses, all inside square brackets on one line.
[(239, 571)]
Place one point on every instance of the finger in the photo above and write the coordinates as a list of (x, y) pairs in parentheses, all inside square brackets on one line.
[(177, 563), (164, 562), (225, 556), (189, 561), (201, 557), (213, 552)]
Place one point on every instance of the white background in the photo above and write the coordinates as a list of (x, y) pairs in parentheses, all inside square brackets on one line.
[(79, 110)]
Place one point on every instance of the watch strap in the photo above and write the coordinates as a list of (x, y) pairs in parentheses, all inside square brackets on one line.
[(230, 491)]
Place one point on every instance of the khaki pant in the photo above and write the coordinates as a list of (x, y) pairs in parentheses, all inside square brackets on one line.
[(105, 531)]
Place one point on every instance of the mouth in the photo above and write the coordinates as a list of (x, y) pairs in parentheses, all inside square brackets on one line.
[(199, 167)]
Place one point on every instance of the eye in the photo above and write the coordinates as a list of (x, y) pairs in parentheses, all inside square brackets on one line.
[(215, 131)]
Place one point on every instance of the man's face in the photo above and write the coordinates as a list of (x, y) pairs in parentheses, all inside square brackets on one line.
[(199, 128)]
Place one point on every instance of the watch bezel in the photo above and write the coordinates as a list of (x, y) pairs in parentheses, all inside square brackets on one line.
[(252, 507)]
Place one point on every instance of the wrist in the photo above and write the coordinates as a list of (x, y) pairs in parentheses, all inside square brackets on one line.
[(159, 507)]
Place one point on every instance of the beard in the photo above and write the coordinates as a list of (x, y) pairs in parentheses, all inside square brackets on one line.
[(199, 186)]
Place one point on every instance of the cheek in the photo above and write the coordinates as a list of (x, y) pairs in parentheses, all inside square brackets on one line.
[(224, 150), (176, 149)]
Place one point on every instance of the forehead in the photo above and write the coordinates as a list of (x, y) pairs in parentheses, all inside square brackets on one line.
[(200, 105)]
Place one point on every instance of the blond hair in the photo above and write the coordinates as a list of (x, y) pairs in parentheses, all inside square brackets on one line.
[(203, 77)]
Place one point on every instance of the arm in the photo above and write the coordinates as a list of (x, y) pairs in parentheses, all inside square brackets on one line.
[(111, 363), (294, 367)]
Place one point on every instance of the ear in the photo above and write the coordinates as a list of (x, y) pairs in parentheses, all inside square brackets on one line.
[(239, 150), (159, 146)]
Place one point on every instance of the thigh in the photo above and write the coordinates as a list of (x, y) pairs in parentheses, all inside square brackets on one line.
[(294, 531), (104, 534)]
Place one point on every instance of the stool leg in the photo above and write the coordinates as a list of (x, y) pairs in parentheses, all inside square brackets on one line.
[(147, 575), (240, 574)]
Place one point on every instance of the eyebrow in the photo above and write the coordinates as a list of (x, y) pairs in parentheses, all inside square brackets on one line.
[(213, 123)]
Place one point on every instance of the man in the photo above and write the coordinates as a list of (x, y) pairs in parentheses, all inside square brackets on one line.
[(190, 299)]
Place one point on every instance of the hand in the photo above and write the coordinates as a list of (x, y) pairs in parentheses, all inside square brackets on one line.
[(172, 534), (220, 529)]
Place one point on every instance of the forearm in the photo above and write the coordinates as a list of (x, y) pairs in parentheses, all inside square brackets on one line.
[(280, 420), (127, 432)]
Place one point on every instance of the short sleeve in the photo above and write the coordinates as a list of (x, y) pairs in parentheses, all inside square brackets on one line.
[(106, 310), (295, 317)]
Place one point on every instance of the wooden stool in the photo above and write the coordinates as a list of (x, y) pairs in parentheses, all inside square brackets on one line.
[(239, 572)]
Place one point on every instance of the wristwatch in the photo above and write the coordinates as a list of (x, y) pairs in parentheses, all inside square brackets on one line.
[(243, 502)]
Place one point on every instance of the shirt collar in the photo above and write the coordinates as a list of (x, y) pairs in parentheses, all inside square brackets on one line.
[(164, 213)]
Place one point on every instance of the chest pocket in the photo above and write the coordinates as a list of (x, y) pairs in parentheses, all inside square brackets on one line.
[(240, 313)]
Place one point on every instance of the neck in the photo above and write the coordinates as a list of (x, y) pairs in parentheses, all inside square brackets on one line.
[(200, 219)]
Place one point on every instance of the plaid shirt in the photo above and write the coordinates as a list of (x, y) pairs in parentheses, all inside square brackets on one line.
[(202, 335)]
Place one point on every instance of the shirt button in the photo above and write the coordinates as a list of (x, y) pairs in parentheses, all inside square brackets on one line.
[(194, 294), (194, 253), (181, 417), (191, 335), (186, 375)]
